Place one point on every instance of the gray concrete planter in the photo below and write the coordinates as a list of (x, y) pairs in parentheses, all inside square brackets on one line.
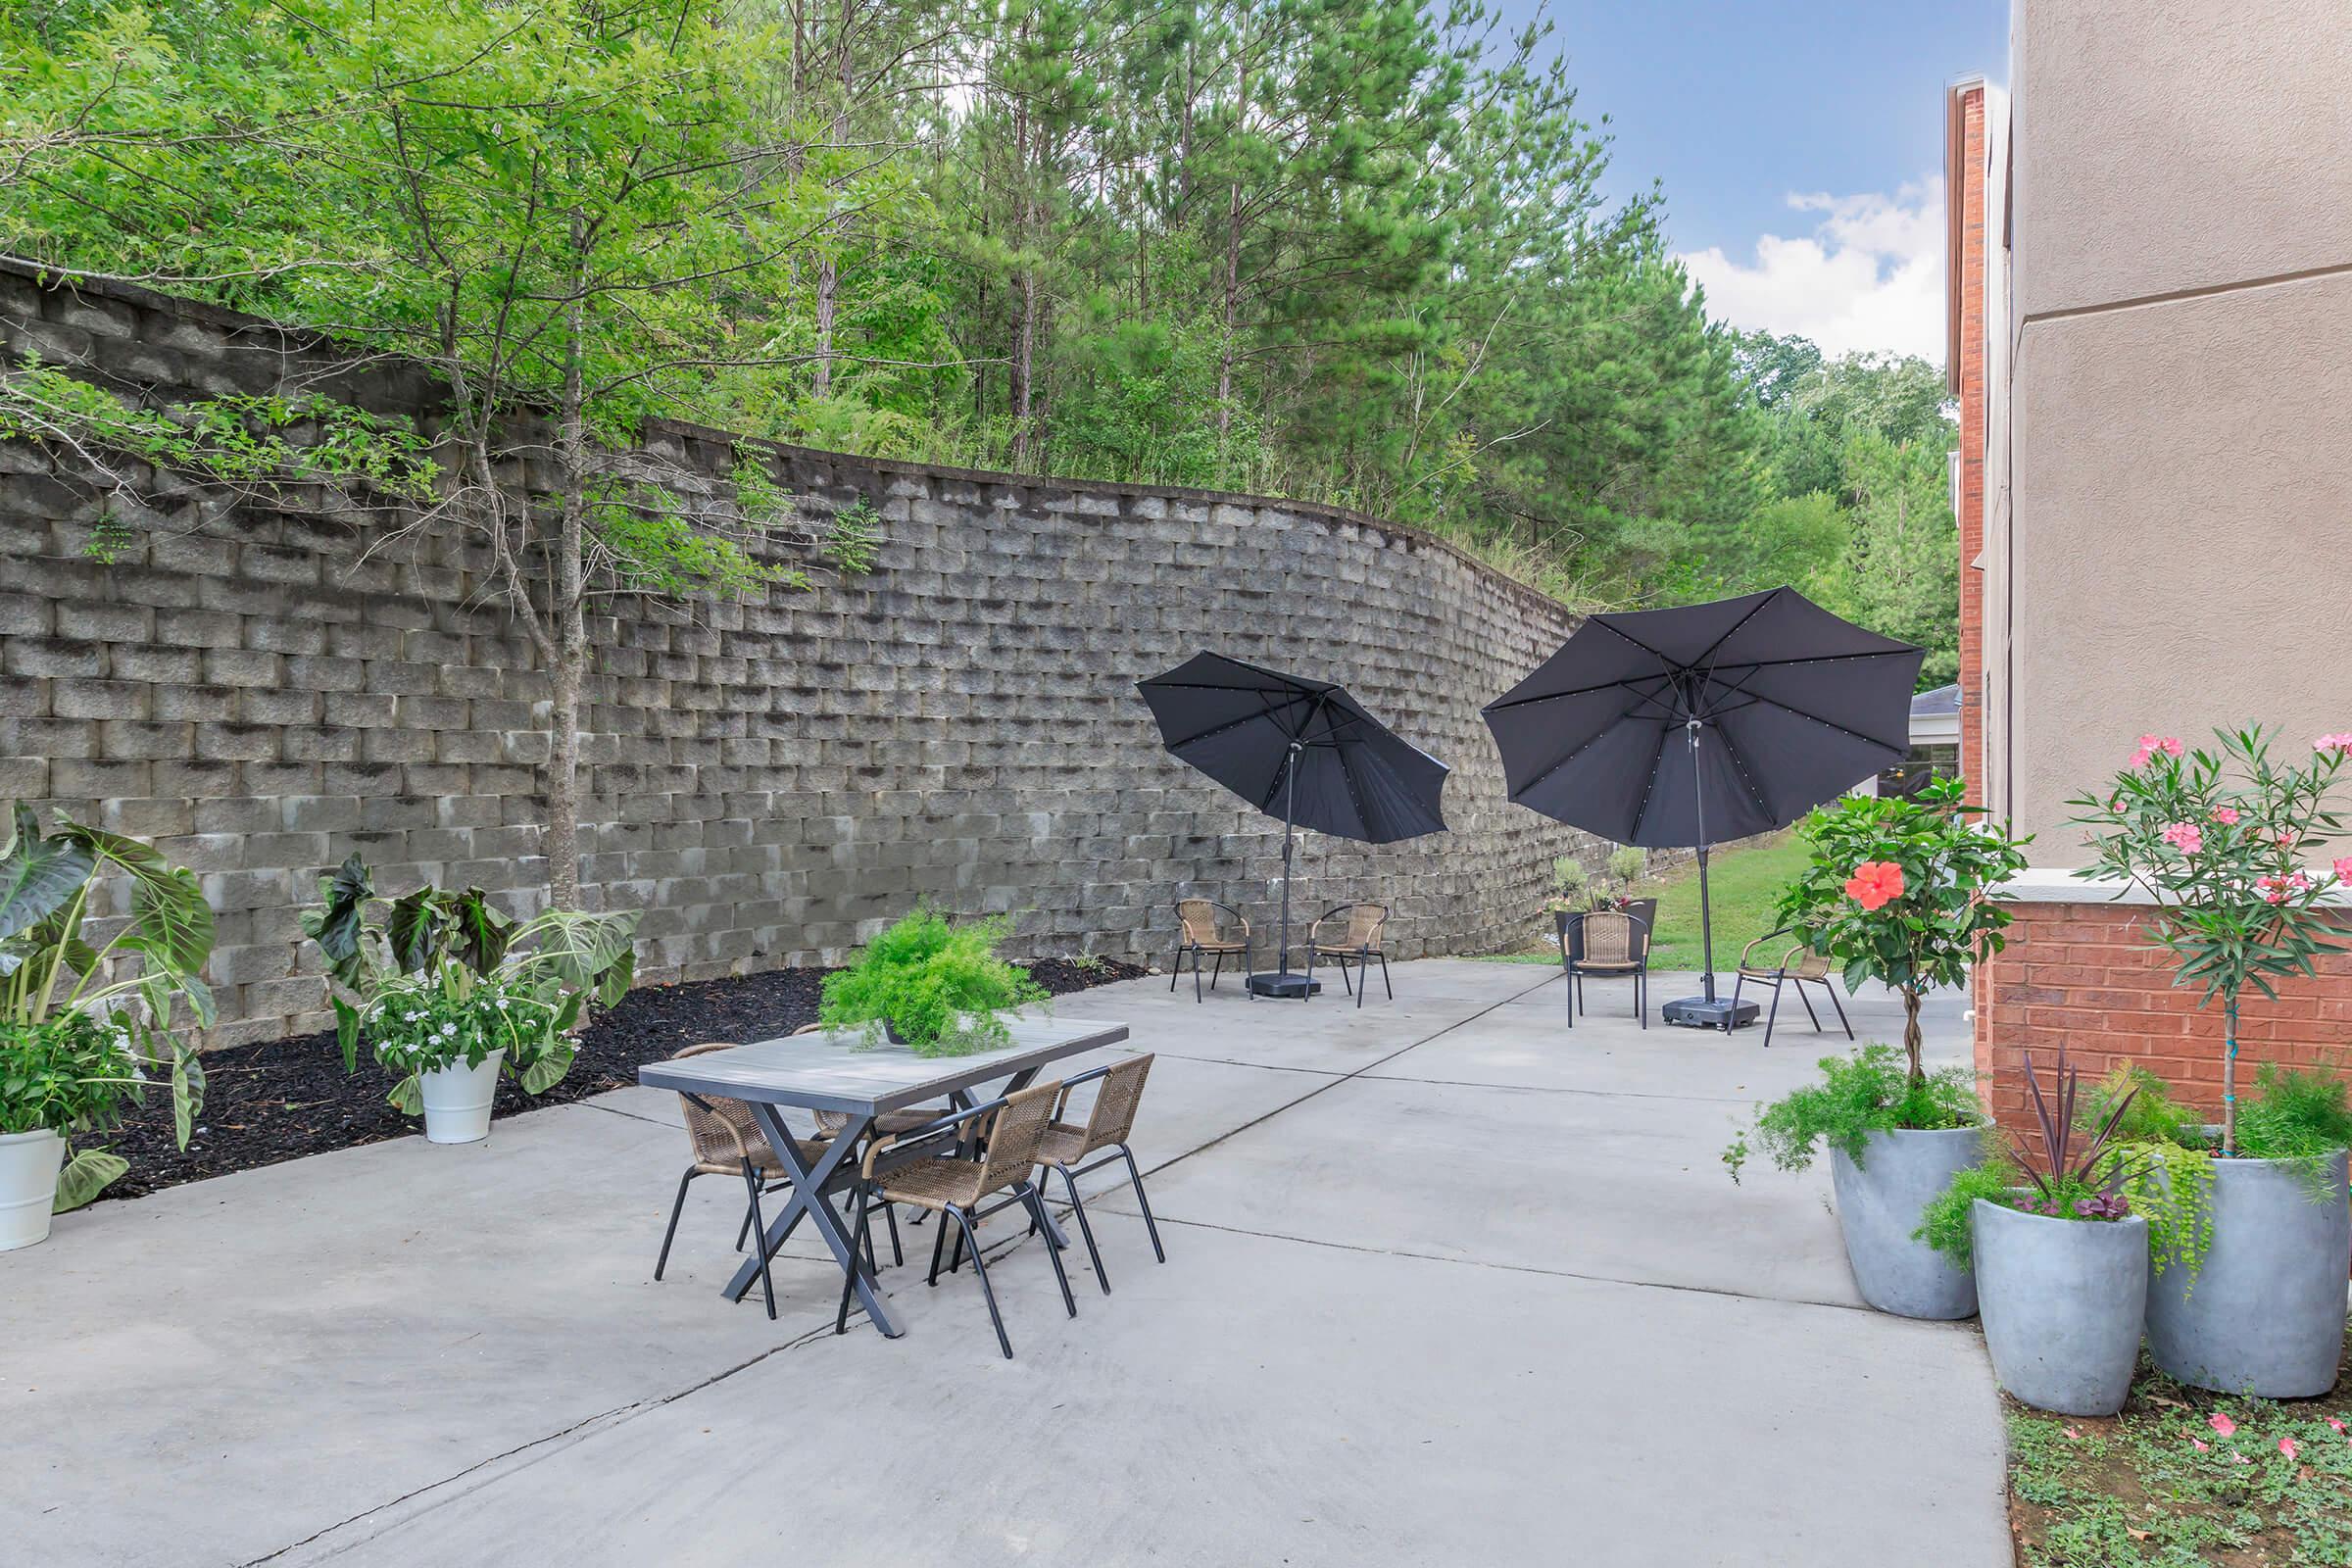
[(2266, 1313), (1879, 1205), (2063, 1302)]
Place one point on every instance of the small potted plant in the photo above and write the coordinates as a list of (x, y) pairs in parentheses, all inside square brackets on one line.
[(81, 1040), (2060, 1260), (1571, 890), (1894, 891), (449, 993), (938, 989), (2216, 840)]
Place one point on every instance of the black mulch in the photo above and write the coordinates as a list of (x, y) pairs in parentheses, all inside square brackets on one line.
[(283, 1098)]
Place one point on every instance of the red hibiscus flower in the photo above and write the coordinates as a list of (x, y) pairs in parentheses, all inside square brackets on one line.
[(1875, 884)]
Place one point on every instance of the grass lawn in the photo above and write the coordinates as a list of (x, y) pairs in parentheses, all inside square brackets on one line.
[(1742, 885), (2183, 1477)]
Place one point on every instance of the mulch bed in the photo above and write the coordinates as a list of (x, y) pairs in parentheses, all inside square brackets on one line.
[(284, 1099)]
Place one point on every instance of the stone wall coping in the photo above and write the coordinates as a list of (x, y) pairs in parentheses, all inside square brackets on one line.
[(2051, 884), (235, 321)]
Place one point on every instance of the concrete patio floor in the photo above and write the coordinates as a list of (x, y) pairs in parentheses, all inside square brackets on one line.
[(1446, 1282)]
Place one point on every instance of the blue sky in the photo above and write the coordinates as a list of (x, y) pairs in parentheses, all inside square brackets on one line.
[(1800, 143)]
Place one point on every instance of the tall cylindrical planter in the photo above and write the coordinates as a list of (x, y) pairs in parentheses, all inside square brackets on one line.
[(2063, 1302), (456, 1099), (28, 1168), (2265, 1312), (1879, 1205)]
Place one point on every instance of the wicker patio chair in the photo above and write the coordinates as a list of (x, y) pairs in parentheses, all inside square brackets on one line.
[(1797, 965), (728, 1142), (890, 1124), (1606, 943), (1201, 933), (1107, 1126), (957, 1188), (1356, 941)]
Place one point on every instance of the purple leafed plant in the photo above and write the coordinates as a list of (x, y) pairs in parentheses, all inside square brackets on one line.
[(2073, 1177)]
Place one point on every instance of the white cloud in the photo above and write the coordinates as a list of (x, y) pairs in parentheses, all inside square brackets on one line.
[(1870, 276)]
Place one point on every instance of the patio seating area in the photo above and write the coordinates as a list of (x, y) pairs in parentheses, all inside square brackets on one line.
[(1441, 1279)]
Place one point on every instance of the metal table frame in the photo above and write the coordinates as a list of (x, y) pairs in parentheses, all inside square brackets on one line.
[(831, 1072)]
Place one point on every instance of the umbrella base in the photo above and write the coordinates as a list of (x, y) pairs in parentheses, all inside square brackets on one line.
[(1699, 1012), (1292, 987)]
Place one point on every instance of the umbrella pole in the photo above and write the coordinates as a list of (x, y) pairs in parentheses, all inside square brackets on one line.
[(1289, 792), (1699, 810)]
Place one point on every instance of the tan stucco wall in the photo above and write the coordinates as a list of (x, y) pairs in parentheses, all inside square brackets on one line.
[(2179, 512)]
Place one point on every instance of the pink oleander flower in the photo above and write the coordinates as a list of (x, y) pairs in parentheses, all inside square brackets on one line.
[(2150, 745), (2287, 838), (2343, 869), (2287, 1446), (2280, 889), (2337, 1425), (2227, 816), (2185, 837), (2200, 1444), (2221, 1424), (2340, 741)]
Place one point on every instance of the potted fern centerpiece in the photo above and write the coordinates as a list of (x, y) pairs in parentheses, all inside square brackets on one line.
[(1894, 891), (81, 1038), (938, 989), (2216, 840)]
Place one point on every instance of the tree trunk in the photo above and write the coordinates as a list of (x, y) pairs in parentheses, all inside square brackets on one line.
[(570, 608), (1911, 1035)]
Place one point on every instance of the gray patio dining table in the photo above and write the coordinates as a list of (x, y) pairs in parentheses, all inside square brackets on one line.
[(833, 1071)]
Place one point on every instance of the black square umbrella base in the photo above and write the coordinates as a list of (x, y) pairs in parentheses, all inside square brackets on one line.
[(1699, 1012), (1297, 987)]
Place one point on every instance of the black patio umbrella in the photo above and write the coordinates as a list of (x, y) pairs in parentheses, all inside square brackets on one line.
[(1681, 728), (1301, 748)]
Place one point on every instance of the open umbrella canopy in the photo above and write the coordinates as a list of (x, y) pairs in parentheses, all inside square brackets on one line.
[(1790, 706), (1238, 724)]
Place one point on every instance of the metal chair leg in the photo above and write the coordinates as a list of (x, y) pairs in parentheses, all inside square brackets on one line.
[(1036, 1203), (676, 1208), (863, 1238), (1308, 994), (1175, 972), (939, 1245), (1841, 1006), (1348, 984), (1738, 979), (1642, 995), (897, 1254), (1196, 974), (1085, 1227), (1384, 976), (1773, 1015), (964, 1231), (1218, 969), (768, 1286), (956, 1250), (1145, 1203), (1798, 981), (1568, 985)]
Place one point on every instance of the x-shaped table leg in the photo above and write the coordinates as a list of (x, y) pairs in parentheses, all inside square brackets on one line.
[(808, 1198)]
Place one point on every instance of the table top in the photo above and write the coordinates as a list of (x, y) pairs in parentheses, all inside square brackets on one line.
[(831, 1071)]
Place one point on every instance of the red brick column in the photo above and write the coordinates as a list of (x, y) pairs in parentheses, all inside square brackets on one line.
[(2083, 975), (1968, 378)]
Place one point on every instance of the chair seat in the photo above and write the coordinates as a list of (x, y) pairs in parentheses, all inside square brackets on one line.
[(1217, 947), (763, 1158), (1063, 1144), (933, 1183), (1322, 947), (1607, 965)]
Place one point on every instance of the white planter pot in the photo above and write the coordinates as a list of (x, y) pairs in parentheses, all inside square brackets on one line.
[(28, 1168), (456, 1100)]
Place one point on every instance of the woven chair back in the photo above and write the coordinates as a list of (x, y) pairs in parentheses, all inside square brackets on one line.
[(1117, 1095), (1611, 938), (1014, 1138), (1364, 923), (1200, 917), (1810, 965), (710, 1130)]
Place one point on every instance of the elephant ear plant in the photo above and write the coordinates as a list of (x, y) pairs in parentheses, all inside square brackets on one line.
[(440, 977), (85, 1029)]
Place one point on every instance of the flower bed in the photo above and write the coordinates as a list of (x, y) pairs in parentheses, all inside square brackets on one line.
[(284, 1099)]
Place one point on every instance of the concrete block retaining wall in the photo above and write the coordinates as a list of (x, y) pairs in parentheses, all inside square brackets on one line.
[(265, 688)]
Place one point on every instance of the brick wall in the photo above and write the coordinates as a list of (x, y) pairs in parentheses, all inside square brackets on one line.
[(1968, 375), (2083, 975), (264, 690)]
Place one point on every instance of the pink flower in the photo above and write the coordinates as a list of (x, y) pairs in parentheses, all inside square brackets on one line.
[(2344, 868), (2227, 816), (2287, 838), (2340, 741), (1875, 884), (2221, 1424), (2200, 1444), (2185, 837), (2337, 1425), (2280, 889), (2287, 1446), (2150, 745)]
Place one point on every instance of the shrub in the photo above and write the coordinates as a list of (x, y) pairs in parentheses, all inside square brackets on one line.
[(2050, 1172), (424, 1023), (1868, 1092), (939, 986)]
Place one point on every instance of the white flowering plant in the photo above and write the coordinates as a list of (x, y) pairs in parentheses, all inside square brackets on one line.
[(449, 1015)]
